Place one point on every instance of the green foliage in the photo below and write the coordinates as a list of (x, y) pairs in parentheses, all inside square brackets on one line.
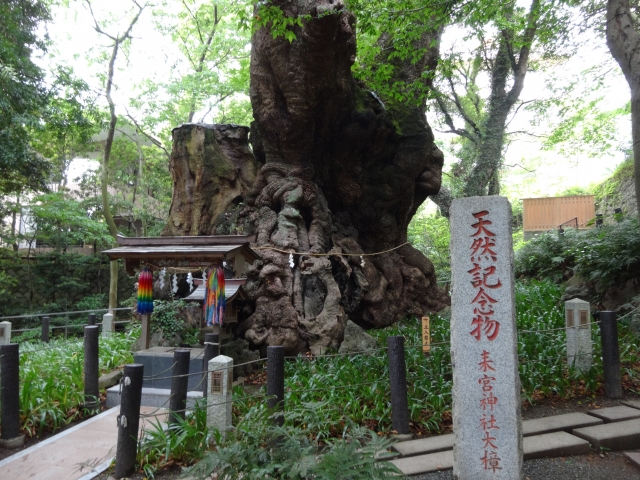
[(22, 95), (52, 282), (70, 118), (608, 190), (273, 18), (61, 221), (52, 382), (576, 114), (183, 442), (575, 191), (430, 234), (338, 391), (606, 255), (248, 450), (543, 257), (542, 354), (166, 320)]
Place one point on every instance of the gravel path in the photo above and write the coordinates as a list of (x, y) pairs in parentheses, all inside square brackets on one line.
[(610, 466)]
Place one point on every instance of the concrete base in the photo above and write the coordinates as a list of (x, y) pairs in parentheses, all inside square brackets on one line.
[(16, 442), (152, 397), (558, 423), (425, 463), (402, 437), (614, 436), (634, 458), (616, 414), (158, 362), (425, 445), (95, 405), (557, 444), (631, 403), (109, 379)]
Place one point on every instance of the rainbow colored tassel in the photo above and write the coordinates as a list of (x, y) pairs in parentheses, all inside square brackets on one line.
[(214, 297), (145, 292)]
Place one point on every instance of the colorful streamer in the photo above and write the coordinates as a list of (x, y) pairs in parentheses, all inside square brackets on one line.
[(214, 297), (145, 292)]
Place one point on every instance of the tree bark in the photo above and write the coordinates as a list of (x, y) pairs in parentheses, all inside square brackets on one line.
[(623, 41), (106, 208), (339, 173)]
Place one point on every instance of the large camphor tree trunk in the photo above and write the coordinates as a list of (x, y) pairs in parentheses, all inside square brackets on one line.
[(339, 173)]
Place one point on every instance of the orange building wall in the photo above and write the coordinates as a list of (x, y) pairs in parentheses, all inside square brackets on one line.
[(541, 214)]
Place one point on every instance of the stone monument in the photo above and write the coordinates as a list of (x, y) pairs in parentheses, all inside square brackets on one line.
[(108, 327), (220, 394), (5, 333), (486, 386), (579, 344)]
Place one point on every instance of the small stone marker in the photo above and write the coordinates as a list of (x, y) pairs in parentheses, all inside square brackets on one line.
[(426, 336), (579, 344), (486, 386), (5, 333), (108, 326), (220, 394)]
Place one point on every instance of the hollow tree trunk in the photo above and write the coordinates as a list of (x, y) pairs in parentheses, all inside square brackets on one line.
[(339, 173)]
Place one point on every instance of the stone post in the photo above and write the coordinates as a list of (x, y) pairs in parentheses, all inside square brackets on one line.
[(579, 344), (5, 333), (486, 386), (10, 437), (108, 327), (145, 332), (44, 336), (610, 354), (91, 367), (220, 394)]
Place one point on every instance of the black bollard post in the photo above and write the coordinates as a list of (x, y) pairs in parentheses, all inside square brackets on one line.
[(45, 329), (398, 380), (179, 384), (211, 350), (91, 367), (610, 354), (10, 396), (129, 420), (92, 319), (275, 382)]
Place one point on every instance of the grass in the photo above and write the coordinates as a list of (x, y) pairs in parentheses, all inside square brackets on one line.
[(52, 380), (357, 387)]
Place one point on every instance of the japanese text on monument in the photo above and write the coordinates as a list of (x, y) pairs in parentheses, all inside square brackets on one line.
[(485, 328)]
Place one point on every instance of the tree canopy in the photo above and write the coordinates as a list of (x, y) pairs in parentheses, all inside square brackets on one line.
[(23, 95)]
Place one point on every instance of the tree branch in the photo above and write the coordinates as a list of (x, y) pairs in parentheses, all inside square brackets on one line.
[(449, 121), (153, 140), (461, 110)]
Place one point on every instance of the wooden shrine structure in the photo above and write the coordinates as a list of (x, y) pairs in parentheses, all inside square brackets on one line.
[(188, 253)]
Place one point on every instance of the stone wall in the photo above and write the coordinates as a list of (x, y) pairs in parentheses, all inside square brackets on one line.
[(618, 191)]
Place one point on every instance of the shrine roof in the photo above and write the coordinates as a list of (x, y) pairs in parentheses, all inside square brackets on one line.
[(184, 248), (232, 289), (187, 240)]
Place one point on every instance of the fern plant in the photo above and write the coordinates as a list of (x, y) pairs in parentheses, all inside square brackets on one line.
[(258, 449)]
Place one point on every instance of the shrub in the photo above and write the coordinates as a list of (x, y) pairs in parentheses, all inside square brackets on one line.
[(248, 451), (604, 255), (166, 319), (430, 235)]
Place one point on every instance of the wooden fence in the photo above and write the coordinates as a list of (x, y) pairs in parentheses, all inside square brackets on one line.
[(542, 214)]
